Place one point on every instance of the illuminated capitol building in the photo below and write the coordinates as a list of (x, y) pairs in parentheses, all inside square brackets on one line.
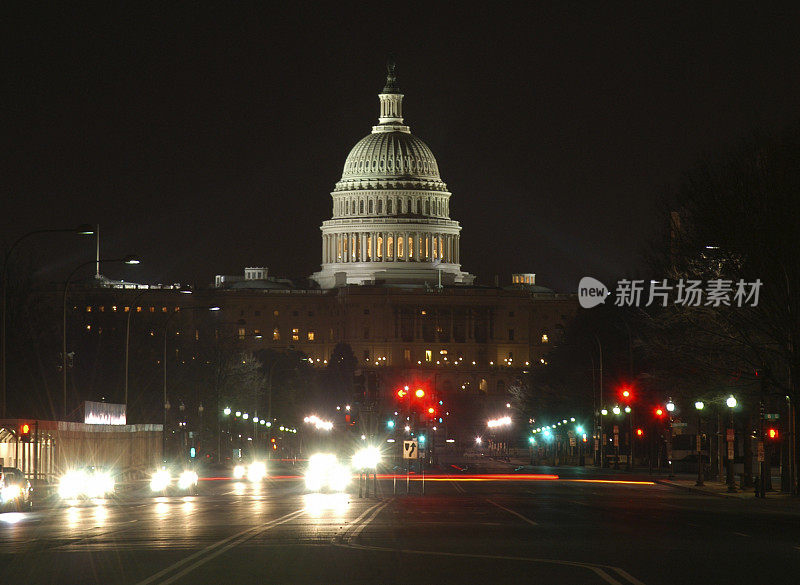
[(390, 285)]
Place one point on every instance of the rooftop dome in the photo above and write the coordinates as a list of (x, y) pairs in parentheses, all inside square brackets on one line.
[(390, 155)]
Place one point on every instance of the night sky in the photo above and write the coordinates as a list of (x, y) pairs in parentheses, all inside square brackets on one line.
[(209, 141)]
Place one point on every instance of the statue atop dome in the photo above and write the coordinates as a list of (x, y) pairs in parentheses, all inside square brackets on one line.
[(391, 78)]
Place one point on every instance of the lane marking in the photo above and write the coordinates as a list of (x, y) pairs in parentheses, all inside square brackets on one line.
[(364, 524), (458, 487), (218, 548), (342, 535), (625, 575), (517, 514), (596, 569), (742, 534)]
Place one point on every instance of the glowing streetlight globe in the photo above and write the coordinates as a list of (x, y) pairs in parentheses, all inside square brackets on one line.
[(731, 402)]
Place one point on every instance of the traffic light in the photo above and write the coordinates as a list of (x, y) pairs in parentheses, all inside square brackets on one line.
[(431, 411), (390, 424), (659, 412), (402, 392), (419, 393), (626, 393), (772, 434), (639, 433), (25, 432)]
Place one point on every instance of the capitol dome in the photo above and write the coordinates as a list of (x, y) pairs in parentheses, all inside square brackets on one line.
[(390, 155), (391, 210)]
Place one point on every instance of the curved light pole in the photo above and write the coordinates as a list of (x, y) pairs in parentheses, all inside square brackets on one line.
[(125, 260), (166, 404), (83, 230)]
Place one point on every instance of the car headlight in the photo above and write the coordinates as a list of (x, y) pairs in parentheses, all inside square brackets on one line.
[(10, 493), (339, 477), (160, 480), (256, 472), (72, 484), (187, 479), (238, 472), (100, 484)]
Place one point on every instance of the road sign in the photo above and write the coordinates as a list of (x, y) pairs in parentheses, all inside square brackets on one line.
[(679, 424), (572, 442), (773, 416), (410, 450)]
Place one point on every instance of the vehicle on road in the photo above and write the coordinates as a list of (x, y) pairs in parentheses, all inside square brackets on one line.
[(325, 473), (16, 492), (87, 483), (174, 480)]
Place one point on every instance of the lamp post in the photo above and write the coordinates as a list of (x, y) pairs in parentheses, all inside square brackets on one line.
[(670, 410), (82, 230), (125, 260), (699, 407), (166, 404), (731, 404)]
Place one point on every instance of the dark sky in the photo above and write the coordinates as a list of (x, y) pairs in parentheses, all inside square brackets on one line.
[(207, 141)]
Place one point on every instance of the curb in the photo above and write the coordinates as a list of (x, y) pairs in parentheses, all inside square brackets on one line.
[(697, 490)]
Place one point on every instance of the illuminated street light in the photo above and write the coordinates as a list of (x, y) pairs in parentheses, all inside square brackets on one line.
[(670, 406), (731, 402), (227, 411), (616, 410), (478, 440), (628, 409), (699, 405), (604, 412)]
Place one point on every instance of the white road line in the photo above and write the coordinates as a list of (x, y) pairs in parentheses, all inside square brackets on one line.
[(217, 548), (597, 570), (458, 487), (364, 524), (343, 534), (517, 514), (742, 534), (625, 575)]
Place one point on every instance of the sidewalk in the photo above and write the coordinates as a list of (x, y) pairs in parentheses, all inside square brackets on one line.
[(718, 488)]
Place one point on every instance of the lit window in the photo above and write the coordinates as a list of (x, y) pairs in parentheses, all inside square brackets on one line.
[(545, 339), (152, 309), (127, 309), (407, 355), (295, 334), (102, 309), (177, 309), (390, 247), (114, 308), (428, 355), (443, 352), (88, 309), (88, 328), (380, 247), (138, 309), (400, 247), (196, 335), (311, 335), (410, 247), (275, 313), (276, 335), (163, 309), (242, 332)]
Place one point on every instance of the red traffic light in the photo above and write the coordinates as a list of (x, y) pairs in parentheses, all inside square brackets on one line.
[(25, 428), (772, 433), (431, 410), (419, 393), (639, 432), (659, 412), (626, 393)]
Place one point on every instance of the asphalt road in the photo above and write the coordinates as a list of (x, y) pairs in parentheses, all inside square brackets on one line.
[(465, 529)]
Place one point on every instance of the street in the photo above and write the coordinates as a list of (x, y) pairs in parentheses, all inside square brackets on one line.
[(467, 528)]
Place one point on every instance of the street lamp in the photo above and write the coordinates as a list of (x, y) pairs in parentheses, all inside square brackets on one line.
[(699, 407), (81, 230), (731, 404), (125, 260)]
